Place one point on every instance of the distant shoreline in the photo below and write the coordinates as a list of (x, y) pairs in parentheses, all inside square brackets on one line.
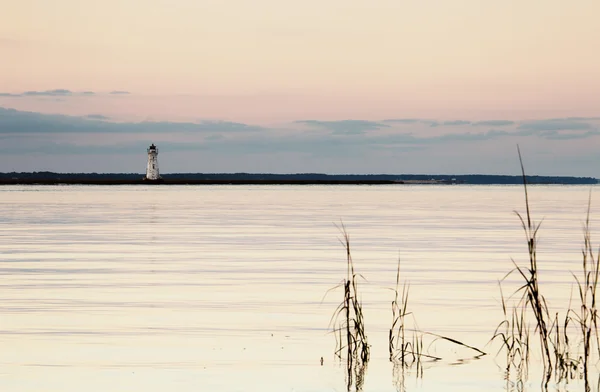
[(49, 178), (193, 182)]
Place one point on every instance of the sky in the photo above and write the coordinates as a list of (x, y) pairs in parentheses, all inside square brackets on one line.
[(329, 86)]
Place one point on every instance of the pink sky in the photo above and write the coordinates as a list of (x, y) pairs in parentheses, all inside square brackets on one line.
[(273, 63), (268, 60)]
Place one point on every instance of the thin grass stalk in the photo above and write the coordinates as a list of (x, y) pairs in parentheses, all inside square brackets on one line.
[(563, 361), (532, 295), (349, 336), (349, 325), (505, 331), (395, 316), (403, 343), (397, 339), (587, 285)]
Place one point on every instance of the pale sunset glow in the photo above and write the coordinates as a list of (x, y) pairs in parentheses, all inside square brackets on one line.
[(299, 195), (273, 63)]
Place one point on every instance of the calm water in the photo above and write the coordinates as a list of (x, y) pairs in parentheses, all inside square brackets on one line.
[(221, 288)]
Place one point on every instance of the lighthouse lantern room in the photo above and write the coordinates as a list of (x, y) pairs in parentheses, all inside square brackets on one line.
[(152, 172)]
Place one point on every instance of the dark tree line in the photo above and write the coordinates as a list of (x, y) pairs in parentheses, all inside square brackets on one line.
[(307, 177)]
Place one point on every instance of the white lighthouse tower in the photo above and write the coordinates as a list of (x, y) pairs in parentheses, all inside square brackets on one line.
[(152, 172)]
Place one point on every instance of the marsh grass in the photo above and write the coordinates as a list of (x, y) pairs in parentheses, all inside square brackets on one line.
[(398, 345), (532, 296), (514, 332), (405, 344), (560, 336), (348, 324), (587, 317), (566, 364), (569, 345)]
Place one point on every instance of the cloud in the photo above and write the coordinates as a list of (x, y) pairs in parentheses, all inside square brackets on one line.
[(494, 123), (345, 127), (59, 134), (34, 141), (577, 119), (97, 117), (496, 134), (456, 122), (410, 138), (48, 93), (556, 135), (19, 122), (403, 120), (434, 123), (214, 137), (469, 137), (431, 123), (208, 126), (555, 125), (119, 92), (59, 92)]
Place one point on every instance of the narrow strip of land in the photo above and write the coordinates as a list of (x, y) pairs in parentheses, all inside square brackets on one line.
[(50, 178), (193, 182)]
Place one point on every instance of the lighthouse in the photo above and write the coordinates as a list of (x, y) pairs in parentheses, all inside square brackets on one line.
[(152, 172)]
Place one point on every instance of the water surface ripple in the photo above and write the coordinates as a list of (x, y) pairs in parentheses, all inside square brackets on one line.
[(223, 288)]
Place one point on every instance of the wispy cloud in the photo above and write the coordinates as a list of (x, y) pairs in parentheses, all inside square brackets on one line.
[(18, 122), (353, 145), (577, 119), (431, 123), (470, 137), (54, 134), (402, 120), (456, 123), (555, 135), (48, 93), (59, 92), (555, 125), (411, 139), (345, 127), (14, 121), (494, 123), (97, 117)]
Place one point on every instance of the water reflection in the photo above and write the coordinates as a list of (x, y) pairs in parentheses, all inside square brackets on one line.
[(170, 282), (402, 370), (515, 377), (355, 376), (571, 380), (415, 366)]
